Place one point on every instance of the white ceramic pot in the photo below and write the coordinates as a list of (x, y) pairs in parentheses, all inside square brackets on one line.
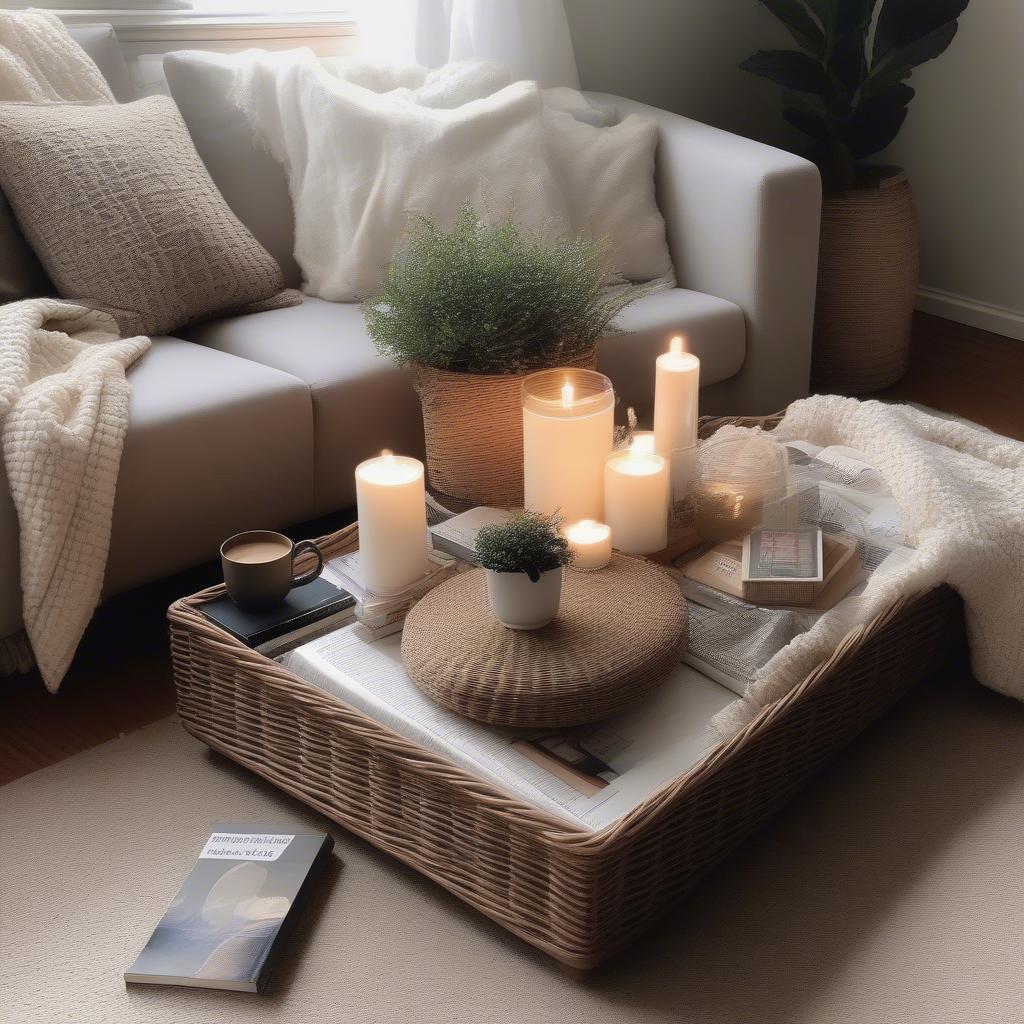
[(519, 603)]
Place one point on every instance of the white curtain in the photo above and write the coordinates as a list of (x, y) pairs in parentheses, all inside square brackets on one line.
[(530, 36)]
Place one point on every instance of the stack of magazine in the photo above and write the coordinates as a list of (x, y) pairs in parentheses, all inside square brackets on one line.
[(835, 495)]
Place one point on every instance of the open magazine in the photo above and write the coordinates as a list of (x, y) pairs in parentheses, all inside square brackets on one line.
[(591, 774)]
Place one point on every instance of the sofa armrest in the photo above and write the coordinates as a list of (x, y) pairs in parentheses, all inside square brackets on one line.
[(743, 221)]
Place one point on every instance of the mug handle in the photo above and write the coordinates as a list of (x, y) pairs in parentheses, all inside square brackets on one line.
[(307, 577)]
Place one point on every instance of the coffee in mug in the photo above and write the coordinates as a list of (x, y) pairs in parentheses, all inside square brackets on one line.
[(258, 569)]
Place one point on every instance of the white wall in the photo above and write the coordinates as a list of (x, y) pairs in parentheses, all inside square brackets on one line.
[(962, 144), (963, 148)]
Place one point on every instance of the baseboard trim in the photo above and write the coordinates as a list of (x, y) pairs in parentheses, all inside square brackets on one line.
[(998, 319)]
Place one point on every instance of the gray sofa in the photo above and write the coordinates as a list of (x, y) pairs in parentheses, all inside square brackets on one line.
[(259, 420)]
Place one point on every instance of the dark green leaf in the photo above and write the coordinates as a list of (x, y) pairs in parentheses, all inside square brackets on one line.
[(802, 27), (789, 69), (810, 124), (902, 21), (925, 47), (826, 12), (877, 121), (853, 16), (848, 61)]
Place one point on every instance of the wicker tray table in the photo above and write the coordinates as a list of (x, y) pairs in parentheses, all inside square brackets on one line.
[(576, 894)]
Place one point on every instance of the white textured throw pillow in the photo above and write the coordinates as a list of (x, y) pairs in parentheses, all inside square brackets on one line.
[(360, 161), (606, 170)]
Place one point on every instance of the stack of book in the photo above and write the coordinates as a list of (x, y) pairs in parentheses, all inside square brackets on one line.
[(800, 567)]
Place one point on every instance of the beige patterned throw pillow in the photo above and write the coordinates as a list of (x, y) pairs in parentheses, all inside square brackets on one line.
[(123, 215)]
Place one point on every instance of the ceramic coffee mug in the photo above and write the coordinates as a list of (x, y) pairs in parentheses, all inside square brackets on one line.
[(258, 567)]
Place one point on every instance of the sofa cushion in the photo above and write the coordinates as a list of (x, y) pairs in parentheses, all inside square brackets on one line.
[(715, 330), (362, 402), (123, 215)]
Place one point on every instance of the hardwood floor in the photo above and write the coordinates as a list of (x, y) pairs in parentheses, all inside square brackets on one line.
[(121, 677)]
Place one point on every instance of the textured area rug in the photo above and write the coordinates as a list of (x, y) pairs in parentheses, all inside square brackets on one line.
[(891, 891)]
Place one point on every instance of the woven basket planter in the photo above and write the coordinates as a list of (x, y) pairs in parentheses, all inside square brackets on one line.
[(473, 425), (867, 280)]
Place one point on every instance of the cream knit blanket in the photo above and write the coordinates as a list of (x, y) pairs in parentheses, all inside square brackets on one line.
[(63, 394), (64, 413), (960, 491)]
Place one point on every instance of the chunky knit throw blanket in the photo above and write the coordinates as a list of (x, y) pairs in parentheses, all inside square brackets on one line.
[(960, 490), (63, 412)]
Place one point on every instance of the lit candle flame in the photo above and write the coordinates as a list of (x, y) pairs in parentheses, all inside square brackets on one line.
[(676, 345), (567, 395), (387, 453)]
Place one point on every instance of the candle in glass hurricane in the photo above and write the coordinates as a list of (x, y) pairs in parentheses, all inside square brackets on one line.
[(676, 389), (590, 543), (636, 491), (568, 428), (392, 522)]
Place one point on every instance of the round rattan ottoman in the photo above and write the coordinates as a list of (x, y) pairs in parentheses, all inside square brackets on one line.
[(618, 632)]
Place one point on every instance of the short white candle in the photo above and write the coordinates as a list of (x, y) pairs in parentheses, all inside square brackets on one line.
[(676, 393), (392, 522), (636, 491), (568, 429), (590, 543)]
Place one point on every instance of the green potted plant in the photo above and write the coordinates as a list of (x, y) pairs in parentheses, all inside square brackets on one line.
[(473, 310), (524, 559), (850, 100)]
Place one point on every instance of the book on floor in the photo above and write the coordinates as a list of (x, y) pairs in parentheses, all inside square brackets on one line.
[(320, 603), (231, 915)]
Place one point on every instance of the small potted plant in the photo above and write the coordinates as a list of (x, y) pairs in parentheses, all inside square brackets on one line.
[(850, 99), (524, 559), (472, 311)]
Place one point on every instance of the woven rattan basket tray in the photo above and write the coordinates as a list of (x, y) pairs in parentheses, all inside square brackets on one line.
[(578, 895)]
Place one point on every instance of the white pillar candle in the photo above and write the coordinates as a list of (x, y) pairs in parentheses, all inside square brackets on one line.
[(676, 391), (392, 522), (590, 543), (568, 428), (636, 491), (643, 441)]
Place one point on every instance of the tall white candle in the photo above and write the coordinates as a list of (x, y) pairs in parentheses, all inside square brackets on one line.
[(636, 491), (590, 543), (676, 391), (392, 522), (568, 428)]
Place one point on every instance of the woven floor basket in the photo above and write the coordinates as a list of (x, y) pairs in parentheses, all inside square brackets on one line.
[(578, 895), (867, 283), (473, 426)]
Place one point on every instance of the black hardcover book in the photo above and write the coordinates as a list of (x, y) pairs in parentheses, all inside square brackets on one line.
[(302, 607), (226, 924)]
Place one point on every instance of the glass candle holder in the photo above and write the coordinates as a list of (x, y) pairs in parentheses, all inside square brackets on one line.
[(568, 431), (738, 475)]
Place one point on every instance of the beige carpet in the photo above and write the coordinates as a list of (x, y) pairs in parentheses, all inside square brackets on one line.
[(890, 892)]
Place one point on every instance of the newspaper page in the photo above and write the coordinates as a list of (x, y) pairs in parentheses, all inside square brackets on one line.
[(591, 774)]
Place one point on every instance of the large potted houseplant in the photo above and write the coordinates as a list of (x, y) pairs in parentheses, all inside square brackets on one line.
[(846, 90), (473, 310), (523, 559)]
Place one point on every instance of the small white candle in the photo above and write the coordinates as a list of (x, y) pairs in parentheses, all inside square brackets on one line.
[(636, 491), (568, 429), (392, 522), (590, 542), (676, 392)]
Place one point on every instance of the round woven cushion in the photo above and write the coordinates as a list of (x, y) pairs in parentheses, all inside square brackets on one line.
[(618, 632)]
